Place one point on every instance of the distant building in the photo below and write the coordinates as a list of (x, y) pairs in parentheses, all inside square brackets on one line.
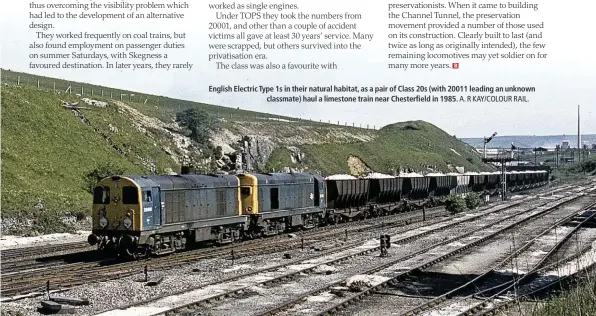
[(565, 144), (490, 152)]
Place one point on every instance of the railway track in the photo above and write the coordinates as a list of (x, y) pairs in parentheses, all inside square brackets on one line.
[(496, 306), (25, 264), (398, 270), (498, 297), (83, 273), (52, 261), (19, 259), (463, 300), (25, 252), (277, 274)]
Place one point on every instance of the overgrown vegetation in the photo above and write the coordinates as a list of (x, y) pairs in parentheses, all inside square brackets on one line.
[(197, 122), (154, 105), (455, 204), (473, 200), (575, 172), (579, 300), (413, 145), (48, 153)]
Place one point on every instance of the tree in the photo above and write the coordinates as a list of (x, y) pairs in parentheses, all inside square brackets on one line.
[(197, 122)]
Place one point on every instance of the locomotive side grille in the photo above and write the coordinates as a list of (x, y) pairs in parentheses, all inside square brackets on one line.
[(300, 195), (176, 212), (220, 198), (169, 212)]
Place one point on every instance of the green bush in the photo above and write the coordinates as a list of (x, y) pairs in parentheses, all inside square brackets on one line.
[(473, 200), (198, 122), (455, 204)]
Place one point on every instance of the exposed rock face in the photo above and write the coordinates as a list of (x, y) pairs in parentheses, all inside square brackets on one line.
[(259, 150), (297, 156), (100, 104), (145, 124), (357, 166), (268, 135), (291, 134)]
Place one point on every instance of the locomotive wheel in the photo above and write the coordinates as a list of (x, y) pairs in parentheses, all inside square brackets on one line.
[(127, 247)]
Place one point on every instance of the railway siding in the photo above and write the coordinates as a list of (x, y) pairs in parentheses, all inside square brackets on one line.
[(305, 270)]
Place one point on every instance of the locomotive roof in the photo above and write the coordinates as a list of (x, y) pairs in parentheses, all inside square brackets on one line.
[(186, 181), (280, 177)]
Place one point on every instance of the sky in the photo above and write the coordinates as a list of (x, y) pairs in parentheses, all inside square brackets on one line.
[(563, 80)]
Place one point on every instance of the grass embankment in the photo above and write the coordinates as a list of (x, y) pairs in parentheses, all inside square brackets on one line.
[(47, 151), (153, 105), (579, 300), (406, 145), (577, 171)]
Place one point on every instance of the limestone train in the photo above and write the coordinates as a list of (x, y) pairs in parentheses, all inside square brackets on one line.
[(137, 216)]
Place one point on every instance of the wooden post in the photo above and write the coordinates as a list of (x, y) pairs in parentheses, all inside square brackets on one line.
[(37, 83), (18, 80), (82, 90), (54, 86)]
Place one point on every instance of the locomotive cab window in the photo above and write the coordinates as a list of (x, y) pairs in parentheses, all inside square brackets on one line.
[(147, 196), (101, 195), (130, 195), (245, 191)]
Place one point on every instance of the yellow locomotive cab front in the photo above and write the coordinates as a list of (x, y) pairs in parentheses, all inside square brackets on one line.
[(117, 204)]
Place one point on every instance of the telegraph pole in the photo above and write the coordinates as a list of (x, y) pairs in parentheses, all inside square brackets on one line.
[(579, 136), (504, 177)]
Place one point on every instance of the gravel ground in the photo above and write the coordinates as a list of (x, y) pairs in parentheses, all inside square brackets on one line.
[(325, 300), (121, 292), (107, 295), (477, 261), (473, 263), (11, 242)]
